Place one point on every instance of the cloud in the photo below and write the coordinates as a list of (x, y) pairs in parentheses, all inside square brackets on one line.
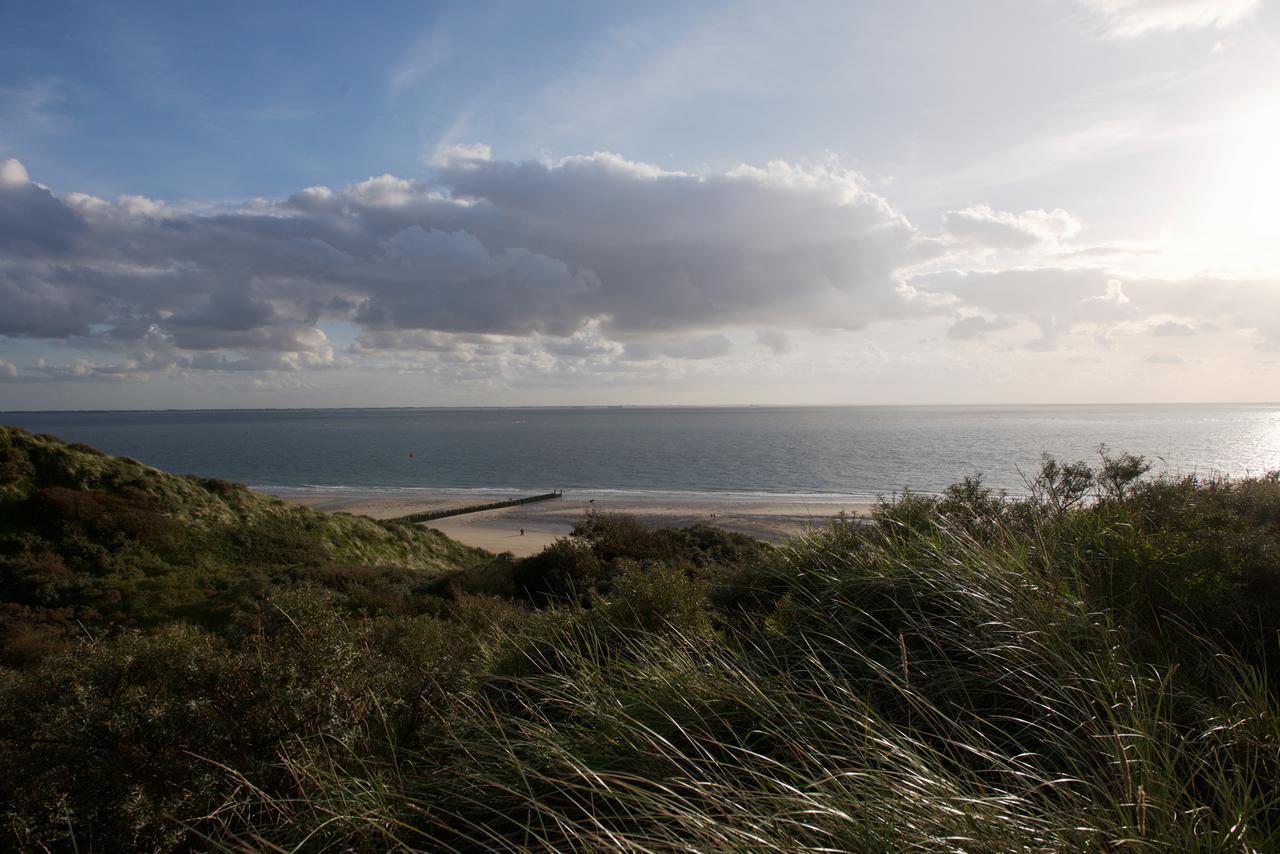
[(1171, 328), (1061, 301), (774, 340), (1031, 291), (670, 250), (420, 340), (449, 281), (982, 226), (713, 346), (141, 206), (32, 221), (13, 174), (540, 250), (1114, 294), (585, 344), (460, 154), (975, 326), (79, 370), (986, 228), (52, 305), (1133, 18), (489, 268), (227, 310)]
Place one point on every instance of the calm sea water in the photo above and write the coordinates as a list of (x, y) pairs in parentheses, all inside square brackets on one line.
[(804, 452)]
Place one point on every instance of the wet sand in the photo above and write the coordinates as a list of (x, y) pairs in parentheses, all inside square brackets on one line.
[(768, 518)]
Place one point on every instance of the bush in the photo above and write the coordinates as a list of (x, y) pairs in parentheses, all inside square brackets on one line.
[(565, 571)]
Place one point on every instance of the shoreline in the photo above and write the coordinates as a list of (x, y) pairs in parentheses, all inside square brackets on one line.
[(498, 493), (772, 518)]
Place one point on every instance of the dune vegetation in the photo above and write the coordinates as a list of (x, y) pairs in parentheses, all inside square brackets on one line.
[(89, 540), (1090, 667)]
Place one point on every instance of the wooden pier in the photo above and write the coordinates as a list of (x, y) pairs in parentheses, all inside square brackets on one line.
[(429, 515)]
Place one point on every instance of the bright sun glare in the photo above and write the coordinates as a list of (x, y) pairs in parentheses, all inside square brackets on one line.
[(1238, 218)]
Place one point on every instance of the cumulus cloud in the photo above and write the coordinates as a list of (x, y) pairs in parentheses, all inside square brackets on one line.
[(460, 154), (1113, 294), (13, 173), (535, 249), (586, 263), (1132, 18), (141, 206), (674, 250), (32, 221), (982, 226), (1173, 328), (450, 281), (48, 305)]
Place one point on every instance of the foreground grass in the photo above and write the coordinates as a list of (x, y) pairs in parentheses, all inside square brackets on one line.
[(933, 694), (1089, 669)]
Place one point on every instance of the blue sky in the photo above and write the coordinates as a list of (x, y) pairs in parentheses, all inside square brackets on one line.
[(231, 100), (667, 202)]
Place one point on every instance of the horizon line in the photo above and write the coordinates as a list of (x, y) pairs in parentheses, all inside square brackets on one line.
[(444, 407)]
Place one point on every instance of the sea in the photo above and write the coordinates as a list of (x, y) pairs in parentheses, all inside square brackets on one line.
[(776, 453)]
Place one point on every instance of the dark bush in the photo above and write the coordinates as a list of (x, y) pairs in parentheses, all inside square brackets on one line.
[(565, 571), (220, 487)]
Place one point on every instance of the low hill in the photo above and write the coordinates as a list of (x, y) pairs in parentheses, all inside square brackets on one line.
[(89, 540)]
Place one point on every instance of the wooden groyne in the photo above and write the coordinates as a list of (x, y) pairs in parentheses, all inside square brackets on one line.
[(428, 515)]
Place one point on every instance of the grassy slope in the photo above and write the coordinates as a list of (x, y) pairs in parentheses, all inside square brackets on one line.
[(87, 538), (965, 674)]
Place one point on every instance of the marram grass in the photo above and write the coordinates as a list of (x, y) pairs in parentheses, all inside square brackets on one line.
[(927, 693)]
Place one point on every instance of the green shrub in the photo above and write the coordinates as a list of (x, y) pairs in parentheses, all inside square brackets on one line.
[(565, 571)]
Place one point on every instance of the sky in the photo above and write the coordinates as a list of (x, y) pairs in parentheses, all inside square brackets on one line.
[(486, 203)]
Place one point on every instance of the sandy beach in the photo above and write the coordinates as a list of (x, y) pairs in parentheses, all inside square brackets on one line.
[(767, 518)]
